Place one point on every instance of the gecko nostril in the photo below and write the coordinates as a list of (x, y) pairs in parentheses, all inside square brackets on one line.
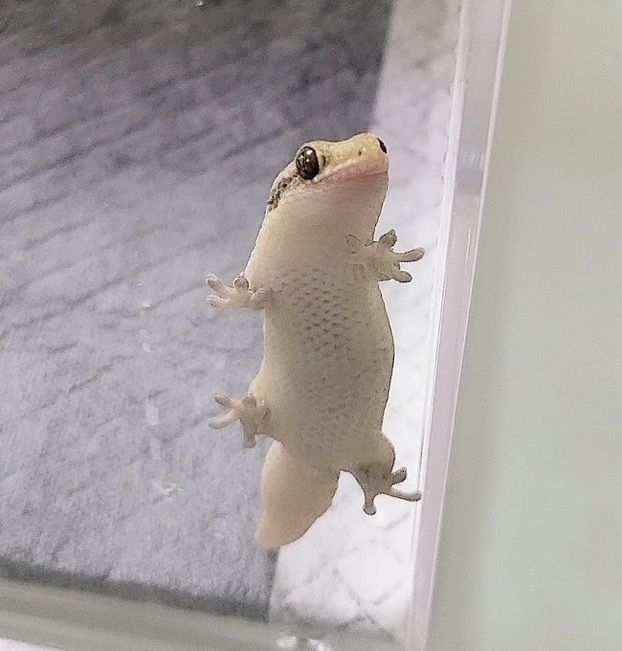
[(360, 152), (382, 145)]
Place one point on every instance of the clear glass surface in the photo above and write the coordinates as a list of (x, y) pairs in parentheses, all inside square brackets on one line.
[(138, 144)]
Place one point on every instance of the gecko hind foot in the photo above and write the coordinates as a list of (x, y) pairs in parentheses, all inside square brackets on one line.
[(375, 481), (252, 414), (240, 295), (381, 257)]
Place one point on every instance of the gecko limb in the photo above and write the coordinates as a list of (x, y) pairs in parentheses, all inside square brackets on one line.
[(377, 480), (240, 295), (382, 259), (253, 414)]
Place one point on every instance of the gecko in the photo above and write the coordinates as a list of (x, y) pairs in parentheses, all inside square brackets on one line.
[(323, 384)]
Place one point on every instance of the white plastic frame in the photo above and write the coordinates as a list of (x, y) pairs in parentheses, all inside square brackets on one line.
[(481, 47)]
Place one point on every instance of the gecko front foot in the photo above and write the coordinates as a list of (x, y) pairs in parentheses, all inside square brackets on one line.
[(252, 414), (240, 295), (375, 480), (381, 257)]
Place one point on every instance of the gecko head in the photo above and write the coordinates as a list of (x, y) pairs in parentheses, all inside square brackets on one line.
[(333, 178)]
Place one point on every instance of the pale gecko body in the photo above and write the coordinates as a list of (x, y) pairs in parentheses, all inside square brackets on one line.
[(323, 384)]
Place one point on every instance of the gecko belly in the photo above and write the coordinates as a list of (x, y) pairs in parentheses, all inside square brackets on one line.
[(327, 367)]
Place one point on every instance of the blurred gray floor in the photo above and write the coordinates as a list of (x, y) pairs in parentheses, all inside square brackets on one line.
[(138, 140)]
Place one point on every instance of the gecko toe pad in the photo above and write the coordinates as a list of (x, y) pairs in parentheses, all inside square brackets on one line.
[(375, 480), (240, 295), (381, 257), (253, 415)]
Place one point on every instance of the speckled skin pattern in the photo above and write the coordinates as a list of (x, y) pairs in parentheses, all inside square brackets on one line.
[(323, 384)]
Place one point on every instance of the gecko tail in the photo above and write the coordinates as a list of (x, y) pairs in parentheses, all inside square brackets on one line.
[(293, 496)]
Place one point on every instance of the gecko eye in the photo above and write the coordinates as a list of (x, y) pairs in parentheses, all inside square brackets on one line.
[(307, 163), (382, 145)]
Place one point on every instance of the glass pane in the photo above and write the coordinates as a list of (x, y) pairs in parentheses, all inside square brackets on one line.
[(139, 141)]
